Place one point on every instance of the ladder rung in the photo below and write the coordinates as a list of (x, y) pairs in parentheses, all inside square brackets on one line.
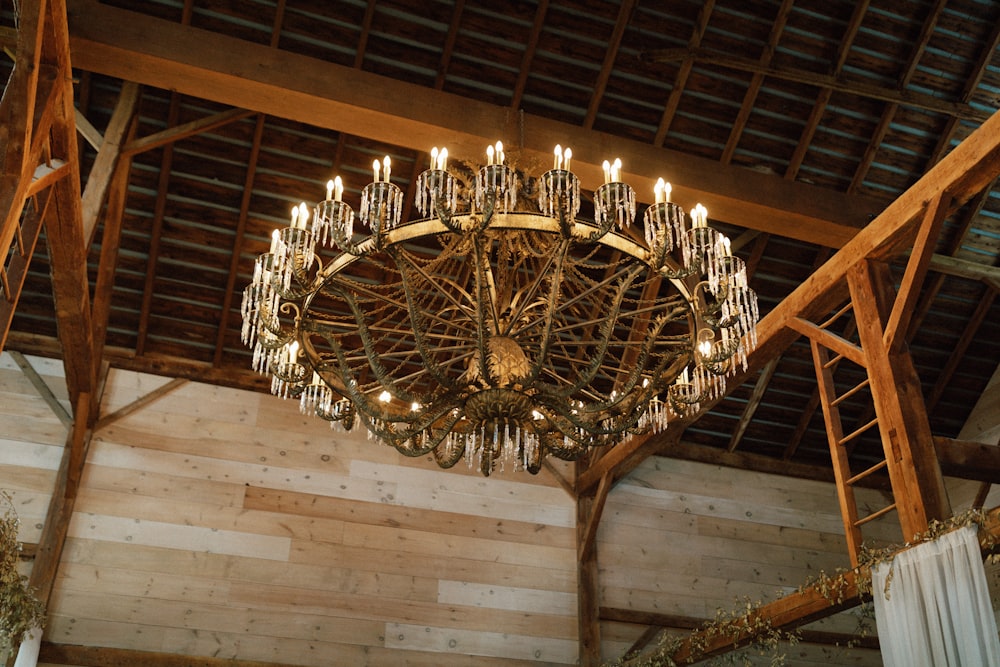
[(861, 475), (852, 436), (836, 315), (833, 361), (875, 515), (843, 397)]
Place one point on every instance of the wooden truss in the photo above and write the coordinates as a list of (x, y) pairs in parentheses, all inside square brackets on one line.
[(858, 276)]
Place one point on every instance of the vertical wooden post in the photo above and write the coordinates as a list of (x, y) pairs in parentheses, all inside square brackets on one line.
[(588, 599), (906, 433)]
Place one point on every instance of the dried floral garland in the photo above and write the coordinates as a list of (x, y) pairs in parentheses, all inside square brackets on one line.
[(20, 610), (746, 622)]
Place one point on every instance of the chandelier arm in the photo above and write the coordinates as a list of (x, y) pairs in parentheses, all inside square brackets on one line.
[(556, 397), (383, 376), (605, 331), (576, 299), (526, 298), (484, 299), (416, 320), (401, 257), (405, 441), (447, 457), (336, 286), (550, 312)]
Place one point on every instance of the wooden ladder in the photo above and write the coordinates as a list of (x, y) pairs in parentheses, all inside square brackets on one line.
[(828, 351)]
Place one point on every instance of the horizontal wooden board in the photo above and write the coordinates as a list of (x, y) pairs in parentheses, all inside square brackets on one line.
[(191, 538), (407, 637), (448, 523), (286, 598)]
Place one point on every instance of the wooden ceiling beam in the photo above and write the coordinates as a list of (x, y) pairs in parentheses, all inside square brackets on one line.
[(182, 131), (108, 154), (756, 81), (907, 98), (964, 172), (159, 53), (97, 656), (819, 600), (530, 48), (660, 621), (683, 72), (610, 55)]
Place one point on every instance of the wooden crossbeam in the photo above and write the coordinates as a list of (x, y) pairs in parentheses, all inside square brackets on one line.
[(962, 173), (212, 66), (809, 604), (107, 159), (907, 98), (94, 656)]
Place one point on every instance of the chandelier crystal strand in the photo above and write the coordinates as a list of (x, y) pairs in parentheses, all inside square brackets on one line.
[(492, 332)]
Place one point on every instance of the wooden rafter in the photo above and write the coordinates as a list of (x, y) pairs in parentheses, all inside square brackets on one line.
[(530, 48), (164, 54), (610, 55), (908, 98), (107, 159), (890, 110), (756, 81), (449, 44), (824, 95), (962, 174), (810, 603), (182, 131), (680, 80)]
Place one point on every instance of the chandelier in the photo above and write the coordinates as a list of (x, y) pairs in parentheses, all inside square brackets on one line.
[(500, 326)]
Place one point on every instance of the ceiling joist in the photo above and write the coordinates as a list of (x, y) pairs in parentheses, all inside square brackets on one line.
[(216, 67)]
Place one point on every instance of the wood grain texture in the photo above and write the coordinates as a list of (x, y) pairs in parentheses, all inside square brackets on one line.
[(218, 523)]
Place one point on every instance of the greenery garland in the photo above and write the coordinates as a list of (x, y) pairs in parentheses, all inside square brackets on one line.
[(745, 621), (20, 610)]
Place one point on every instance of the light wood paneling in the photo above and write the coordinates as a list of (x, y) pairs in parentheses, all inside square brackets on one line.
[(216, 522)]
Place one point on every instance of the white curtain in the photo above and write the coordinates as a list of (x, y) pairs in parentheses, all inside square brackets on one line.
[(27, 655), (936, 610)]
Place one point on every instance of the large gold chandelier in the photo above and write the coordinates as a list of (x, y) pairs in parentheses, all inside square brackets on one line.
[(500, 326)]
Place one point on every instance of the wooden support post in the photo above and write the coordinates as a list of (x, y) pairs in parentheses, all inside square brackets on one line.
[(50, 545), (906, 433), (588, 596)]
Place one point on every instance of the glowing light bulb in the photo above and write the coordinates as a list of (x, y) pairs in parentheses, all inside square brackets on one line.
[(385, 396)]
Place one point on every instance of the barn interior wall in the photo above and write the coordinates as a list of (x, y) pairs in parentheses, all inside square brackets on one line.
[(215, 521)]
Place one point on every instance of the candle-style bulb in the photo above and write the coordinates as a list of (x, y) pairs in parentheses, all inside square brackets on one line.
[(434, 158), (567, 154), (616, 170), (489, 155), (329, 189), (295, 217), (274, 241), (303, 215), (606, 166), (338, 188), (500, 155), (376, 167), (658, 191), (558, 157), (386, 166), (443, 157)]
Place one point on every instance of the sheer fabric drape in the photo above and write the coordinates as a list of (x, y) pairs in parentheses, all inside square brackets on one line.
[(936, 609)]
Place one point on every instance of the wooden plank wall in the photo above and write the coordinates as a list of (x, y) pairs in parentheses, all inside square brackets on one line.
[(688, 539), (223, 523)]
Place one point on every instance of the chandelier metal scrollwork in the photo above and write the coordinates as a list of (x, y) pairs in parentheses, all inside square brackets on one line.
[(495, 329)]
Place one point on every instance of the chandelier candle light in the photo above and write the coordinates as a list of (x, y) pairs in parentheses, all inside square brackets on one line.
[(493, 328)]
